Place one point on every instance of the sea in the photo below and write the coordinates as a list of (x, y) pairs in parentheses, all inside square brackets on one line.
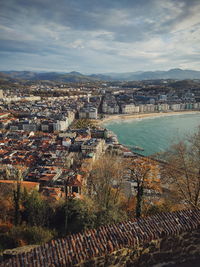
[(154, 134)]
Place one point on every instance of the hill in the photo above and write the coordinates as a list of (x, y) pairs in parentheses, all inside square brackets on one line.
[(177, 74)]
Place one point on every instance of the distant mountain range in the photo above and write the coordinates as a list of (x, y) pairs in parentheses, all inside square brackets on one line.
[(177, 74), (47, 76)]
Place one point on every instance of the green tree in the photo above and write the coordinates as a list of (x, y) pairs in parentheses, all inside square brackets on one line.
[(36, 211), (74, 215), (17, 195), (84, 123)]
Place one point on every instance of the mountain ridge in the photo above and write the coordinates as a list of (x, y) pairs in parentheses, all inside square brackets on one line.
[(74, 76)]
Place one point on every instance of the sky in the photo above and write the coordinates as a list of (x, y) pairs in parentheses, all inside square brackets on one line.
[(99, 36)]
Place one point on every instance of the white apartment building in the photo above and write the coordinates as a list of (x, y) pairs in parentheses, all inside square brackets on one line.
[(90, 113), (196, 105), (141, 108), (175, 107), (82, 114), (60, 125), (150, 108), (45, 127), (30, 127), (1, 94), (163, 107), (130, 108)]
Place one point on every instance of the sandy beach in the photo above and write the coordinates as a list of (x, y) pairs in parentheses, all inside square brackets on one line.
[(143, 115)]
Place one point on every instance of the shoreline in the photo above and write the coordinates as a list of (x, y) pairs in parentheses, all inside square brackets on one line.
[(123, 117)]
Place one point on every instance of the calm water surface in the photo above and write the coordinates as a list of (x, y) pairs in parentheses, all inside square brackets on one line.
[(154, 134)]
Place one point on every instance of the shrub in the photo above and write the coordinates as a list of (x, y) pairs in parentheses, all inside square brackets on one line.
[(73, 216), (25, 235), (7, 241), (5, 227), (32, 235)]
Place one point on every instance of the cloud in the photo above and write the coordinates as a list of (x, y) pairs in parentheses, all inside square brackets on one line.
[(99, 36)]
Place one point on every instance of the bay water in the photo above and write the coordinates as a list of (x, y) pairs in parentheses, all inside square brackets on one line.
[(154, 134)]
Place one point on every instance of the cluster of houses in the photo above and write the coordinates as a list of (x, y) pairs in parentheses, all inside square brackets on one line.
[(40, 146)]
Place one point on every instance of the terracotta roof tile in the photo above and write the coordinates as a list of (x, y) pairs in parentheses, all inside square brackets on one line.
[(83, 246)]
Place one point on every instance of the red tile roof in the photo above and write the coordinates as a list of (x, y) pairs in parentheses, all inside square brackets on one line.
[(75, 248), (25, 184)]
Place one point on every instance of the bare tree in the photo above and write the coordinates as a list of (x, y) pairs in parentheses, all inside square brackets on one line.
[(144, 173), (182, 171), (105, 180)]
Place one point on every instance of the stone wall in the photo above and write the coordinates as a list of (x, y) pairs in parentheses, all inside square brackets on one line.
[(159, 240), (169, 251)]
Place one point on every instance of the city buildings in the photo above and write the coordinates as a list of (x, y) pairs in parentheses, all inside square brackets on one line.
[(39, 144)]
